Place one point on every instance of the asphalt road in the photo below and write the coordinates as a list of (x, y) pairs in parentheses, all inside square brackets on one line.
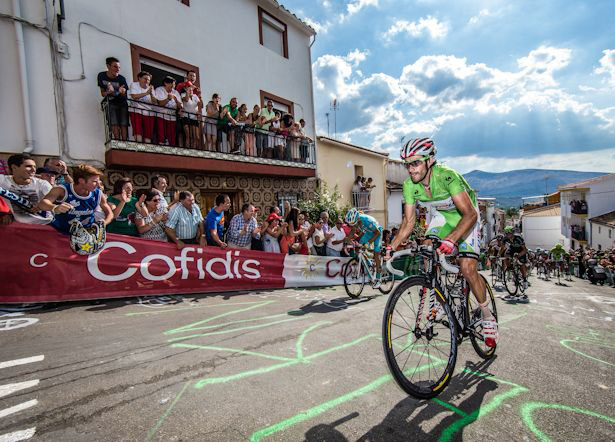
[(293, 365)]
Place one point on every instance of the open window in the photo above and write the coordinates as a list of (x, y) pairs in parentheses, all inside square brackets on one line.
[(279, 104), (160, 66), (273, 33)]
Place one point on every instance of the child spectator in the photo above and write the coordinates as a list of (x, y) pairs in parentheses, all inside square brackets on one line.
[(113, 88)]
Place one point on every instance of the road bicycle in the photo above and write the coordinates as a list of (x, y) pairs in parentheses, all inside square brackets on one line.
[(542, 270), (425, 321), (513, 278), (497, 270), (362, 268)]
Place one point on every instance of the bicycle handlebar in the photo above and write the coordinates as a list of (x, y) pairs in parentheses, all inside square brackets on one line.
[(441, 258)]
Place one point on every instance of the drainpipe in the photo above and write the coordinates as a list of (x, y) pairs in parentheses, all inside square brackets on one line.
[(313, 105), (23, 78)]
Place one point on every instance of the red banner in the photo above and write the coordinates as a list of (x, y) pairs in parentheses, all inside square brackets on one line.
[(38, 265)]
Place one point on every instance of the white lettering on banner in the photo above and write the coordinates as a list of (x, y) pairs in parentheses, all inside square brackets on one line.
[(230, 264), (95, 270), (33, 260), (309, 270), (145, 267)]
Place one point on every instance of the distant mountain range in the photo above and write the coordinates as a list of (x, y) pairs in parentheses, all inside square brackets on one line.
[(509, 187)]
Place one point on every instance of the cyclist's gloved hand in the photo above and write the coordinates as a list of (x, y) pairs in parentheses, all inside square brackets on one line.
[(447, 247)]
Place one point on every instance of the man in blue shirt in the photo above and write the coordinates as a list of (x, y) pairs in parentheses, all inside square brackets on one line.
[(214, 223)]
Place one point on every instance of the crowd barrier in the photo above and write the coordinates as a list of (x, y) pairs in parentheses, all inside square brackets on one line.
[(38, 265)]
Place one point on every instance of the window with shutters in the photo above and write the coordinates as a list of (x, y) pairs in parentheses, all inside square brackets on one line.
[(273, 33)]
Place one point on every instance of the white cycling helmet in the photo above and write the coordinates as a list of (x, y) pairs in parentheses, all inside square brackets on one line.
[(352, 216), (418, 147)]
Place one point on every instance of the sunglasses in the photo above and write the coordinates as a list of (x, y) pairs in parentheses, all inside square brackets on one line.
[(156, 200), (416, 163)]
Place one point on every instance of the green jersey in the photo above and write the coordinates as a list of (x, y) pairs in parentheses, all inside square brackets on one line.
[(444, 183), (557, 253)]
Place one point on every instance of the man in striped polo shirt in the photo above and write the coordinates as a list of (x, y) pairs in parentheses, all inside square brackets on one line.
[(185, 223)]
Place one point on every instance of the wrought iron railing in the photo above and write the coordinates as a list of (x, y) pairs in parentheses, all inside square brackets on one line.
[(361, 200), (161, 126)]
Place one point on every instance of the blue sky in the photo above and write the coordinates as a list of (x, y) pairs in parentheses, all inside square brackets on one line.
[(499, 85)]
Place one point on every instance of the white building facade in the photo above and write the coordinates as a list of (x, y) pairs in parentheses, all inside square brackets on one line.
[(254, 50), (603, 231), (582, 201), (542, 228)]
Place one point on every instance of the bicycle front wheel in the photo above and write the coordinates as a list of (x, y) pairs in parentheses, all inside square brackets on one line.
[(420, 346), (511, 281), (388, 281), (354, 278), (475, 316)]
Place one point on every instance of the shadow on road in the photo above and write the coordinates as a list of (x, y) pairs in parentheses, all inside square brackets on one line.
[(409, 418), (327, 306)]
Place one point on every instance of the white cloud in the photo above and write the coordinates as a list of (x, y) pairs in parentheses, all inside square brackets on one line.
[(483, 13), (425, 26), (592, 161), (607, 65), (320, 28), (355, 6)]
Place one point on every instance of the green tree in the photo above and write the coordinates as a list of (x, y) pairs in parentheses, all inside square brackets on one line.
[(325, 200), (512, 212)]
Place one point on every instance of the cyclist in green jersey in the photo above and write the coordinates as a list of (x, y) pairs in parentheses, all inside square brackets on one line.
[(455, 219)]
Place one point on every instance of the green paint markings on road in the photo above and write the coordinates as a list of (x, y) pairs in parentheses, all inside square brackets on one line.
[(528, 408), (450, 407), (450, 431), (223, 380), (299, 344), (221, 332), (233, 350), (341, 347), (153, 431), (565, 342), (194, 325), (160, 310)]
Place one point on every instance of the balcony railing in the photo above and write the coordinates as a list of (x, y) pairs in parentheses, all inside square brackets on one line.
[(361, 200), (183, 133)]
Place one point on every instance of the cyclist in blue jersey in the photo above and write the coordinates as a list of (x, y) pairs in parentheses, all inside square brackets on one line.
[(371, 232)]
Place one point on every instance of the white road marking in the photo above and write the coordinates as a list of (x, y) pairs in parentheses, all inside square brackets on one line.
[(18, 435), (23, 361), (7, 389), (17, 408), (10, 324)]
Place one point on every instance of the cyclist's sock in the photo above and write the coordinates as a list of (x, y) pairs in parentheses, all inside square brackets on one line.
[(486, 312)]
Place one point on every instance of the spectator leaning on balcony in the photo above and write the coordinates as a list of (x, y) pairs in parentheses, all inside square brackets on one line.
[(242, 119), (151, 226), (242, 228), (60, 167), (113, 88), (141, 92), (214, 222), (124, 207), (212, 111), (264, 140), (279, 139), (25, 184), (79, 200), (253, 120), (193, 107), (190, 78), (185, 222), (228, 119), (166, 118)]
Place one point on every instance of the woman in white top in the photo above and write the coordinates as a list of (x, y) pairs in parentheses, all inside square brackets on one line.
[(212, 111), (166, 118), (272, 234), (193, 106), (141, 94), (318, 238)]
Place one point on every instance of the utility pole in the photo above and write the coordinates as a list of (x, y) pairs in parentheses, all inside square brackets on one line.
[(328, 133), (335, 107)]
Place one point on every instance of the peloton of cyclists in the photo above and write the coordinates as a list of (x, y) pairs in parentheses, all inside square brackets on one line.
[(514, 247)]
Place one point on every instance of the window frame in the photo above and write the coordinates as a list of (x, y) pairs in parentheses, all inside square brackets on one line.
[(136, 52), (262, 12), (266, 96)]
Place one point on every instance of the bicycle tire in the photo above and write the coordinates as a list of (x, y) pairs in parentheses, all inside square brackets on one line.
[(430, 389), (350, 267), (510, 280), (475, 335), (386, 287), (494, 274)]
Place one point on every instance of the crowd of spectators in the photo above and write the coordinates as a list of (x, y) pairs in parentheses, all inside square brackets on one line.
[(58, 197), (362, 191), (586, 258), (177, 115)]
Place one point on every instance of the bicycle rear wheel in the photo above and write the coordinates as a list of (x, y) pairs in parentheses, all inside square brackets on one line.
[(474, 316), (354, 278), (420, 349), (511, 281)]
